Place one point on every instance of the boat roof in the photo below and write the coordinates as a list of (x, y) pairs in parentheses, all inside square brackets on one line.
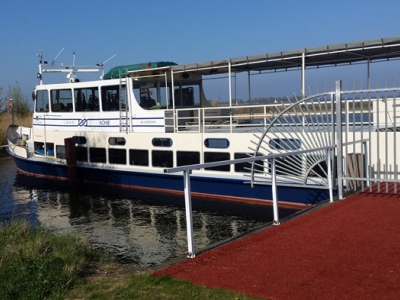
[(336, 54), (122, 71)]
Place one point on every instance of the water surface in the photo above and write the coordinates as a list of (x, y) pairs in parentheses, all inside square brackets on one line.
[(137, 227)]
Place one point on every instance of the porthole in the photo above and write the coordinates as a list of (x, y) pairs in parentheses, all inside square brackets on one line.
[(117, 141), (216, 143), (162, 142), (285, 144)]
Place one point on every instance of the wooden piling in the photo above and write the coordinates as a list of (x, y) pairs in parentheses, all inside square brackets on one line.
[(70, 152)]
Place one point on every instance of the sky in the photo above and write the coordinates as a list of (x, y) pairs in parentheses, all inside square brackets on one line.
[(177, 30)]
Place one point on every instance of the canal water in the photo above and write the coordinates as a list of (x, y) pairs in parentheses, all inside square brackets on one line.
[(137, 227)]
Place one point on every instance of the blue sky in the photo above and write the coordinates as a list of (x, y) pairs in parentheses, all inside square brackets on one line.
[(177, 30)]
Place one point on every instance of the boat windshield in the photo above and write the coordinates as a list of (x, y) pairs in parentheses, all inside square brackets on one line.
[(157, 95)]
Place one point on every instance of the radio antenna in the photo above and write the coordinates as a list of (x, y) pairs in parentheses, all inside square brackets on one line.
[(73, 58), (102, 64), (52, 63)]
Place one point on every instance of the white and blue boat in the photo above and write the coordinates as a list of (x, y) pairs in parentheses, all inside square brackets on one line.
[(137, 120)]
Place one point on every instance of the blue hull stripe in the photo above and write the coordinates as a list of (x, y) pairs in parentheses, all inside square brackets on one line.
[(206, 186)]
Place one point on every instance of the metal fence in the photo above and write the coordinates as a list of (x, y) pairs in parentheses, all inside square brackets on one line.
[(368, 138)]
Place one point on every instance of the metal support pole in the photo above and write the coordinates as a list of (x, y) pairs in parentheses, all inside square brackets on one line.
[(249, 85), (365, 163), (303, 75), (189, 219), (338, 98), (274, 194), (230, 83), (329, 164)]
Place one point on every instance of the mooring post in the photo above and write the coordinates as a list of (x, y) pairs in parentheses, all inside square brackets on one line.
[(70, 153), (274, 194), (189, 219)]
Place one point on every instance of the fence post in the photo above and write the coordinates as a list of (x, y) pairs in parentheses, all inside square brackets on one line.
[(339, 161), (365, 163), (189, 219), (330, 175), (274, 194)]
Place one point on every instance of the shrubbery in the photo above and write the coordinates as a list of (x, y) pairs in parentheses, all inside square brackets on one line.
[(36, 264)]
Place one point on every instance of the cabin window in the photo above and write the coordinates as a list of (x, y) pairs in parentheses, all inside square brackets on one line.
[(117, 156), (285, 144), (147, 95), (87, 99), (216, 143), (139, 157), (97, 155), (50, 149), (60, 152), (39, 148), (110, 98), (117, 141), (184, 158), (163, 159), (162, 142), (80, 140), (81, 154), (42, 101), (246, 167), (151, 95), (61, 100), (217, 156)]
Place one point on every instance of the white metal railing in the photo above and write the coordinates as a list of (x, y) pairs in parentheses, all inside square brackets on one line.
[(275, 183), (208, 119), (368, 138)]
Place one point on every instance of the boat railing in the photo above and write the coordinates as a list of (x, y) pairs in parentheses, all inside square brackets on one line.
[(219, 118), (358, 114)]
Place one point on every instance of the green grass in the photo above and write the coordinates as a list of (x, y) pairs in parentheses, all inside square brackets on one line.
[(147, 286), (37, 264)]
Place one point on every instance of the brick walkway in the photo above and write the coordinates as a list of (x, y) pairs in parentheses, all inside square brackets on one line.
[(346, 250)]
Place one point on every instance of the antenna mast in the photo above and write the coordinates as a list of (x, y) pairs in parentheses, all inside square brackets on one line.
[(59, 53)]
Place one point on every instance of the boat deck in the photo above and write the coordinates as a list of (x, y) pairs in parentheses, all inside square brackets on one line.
[(345, 250)]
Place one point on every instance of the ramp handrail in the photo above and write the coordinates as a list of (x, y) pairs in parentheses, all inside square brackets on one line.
[(187, 188)]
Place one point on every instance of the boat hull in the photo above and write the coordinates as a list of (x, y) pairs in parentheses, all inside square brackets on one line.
[(212, 187)]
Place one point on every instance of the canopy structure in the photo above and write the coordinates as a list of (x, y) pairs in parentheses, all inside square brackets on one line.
[(118, 71), (338, 54), (347, 53), (330, 55)]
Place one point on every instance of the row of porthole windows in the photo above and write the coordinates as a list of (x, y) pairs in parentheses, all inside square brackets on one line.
[(159, 142), (217, 143), (167, 142)]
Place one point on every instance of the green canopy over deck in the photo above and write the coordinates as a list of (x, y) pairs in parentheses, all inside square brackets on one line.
[(122, 71)]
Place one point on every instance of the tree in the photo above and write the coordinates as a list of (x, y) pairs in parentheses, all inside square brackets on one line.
[(20, 103)]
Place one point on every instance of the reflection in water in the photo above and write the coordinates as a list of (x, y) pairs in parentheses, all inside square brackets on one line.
[(138, 227)]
